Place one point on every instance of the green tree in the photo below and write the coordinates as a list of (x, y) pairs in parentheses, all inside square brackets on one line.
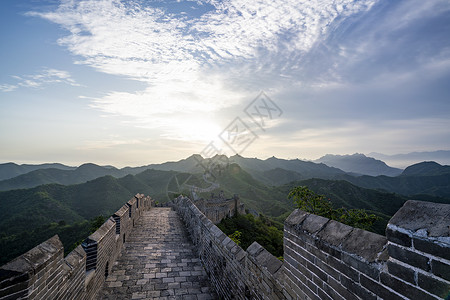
[(309, 201), (236, 237)]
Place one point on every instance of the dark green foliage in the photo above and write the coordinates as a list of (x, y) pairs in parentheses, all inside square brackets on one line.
[(309, 201), (70, 235), (267, 232)]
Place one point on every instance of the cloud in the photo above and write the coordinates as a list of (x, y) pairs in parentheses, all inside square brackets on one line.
[(202, 63), (330, 65), (45, 77)]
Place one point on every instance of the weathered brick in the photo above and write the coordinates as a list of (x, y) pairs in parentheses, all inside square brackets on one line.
[(344, 268), (364, 244), (404, 288), (431, 247), (398, 237), (409, 257), (319, 273), (328, 269), (338, 287), (435, 286), (378, 289), (401, 272), (440, 269), (361, 266)]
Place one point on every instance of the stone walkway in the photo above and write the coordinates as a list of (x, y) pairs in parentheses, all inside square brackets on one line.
[(158, 262)]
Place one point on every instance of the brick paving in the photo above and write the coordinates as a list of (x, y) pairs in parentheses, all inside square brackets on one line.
[(158, 262)]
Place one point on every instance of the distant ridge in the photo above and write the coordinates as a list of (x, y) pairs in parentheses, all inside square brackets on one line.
[(426, 168), (359, 164), (38, 177), (10, 170)]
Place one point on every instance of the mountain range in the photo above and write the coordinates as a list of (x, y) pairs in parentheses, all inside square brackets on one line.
[(359, 164), (53, 198)]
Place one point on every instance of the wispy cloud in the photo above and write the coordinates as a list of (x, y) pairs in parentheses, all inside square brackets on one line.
[(45, 77), (337, 60), (192, 63)]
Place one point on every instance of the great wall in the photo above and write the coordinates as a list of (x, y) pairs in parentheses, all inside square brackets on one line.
[(323, 259)]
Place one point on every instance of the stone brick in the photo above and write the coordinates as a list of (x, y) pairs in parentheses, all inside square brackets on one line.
[(404, 288), (296, 217), (378, 289), (401, 271), (364, 243), (429, 246), (416, 215), (440, 269), (338, 287), (409, 257), (334, 233), (318, 272), (357, 289), (344, 268), (435, 286), (313, 224), (398, 237), (362, 266)]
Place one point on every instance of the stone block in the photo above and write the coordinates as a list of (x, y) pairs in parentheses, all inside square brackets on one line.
[(401, 271), (409, 257), (357, 289), (267, 260), (334, 233), (378, 289), (329, 249), (318, 272), (313, 224), (365, 244), (435, 286), (420, 215), (398, 237), (440, 269), (433, 247), (296, 217), (339, 288), (343, 268), (254, 249), (327, 269), (370, 269), (100, 233), (403, 287)]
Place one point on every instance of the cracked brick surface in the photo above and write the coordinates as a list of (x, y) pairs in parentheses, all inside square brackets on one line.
[(158, 262)]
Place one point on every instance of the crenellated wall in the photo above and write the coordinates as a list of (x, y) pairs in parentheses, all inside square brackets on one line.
[(325, 259), (218, 207), (44, 273), (234, 273)]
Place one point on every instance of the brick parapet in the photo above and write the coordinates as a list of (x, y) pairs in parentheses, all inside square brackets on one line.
[(44, 273), (234, 272)]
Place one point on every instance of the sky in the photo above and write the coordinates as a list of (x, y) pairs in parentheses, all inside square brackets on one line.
[(139, 82)]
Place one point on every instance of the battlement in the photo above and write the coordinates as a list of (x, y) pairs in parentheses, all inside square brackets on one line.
[(44, 272), (323, 259), (218, 207)]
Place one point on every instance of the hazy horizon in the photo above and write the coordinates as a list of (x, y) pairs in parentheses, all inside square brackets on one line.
[(401, 163), (138, 82)]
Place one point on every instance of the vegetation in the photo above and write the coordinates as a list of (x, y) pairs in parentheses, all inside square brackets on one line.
[(246, 229), (30, 216), (309, 201), (71, 236)]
